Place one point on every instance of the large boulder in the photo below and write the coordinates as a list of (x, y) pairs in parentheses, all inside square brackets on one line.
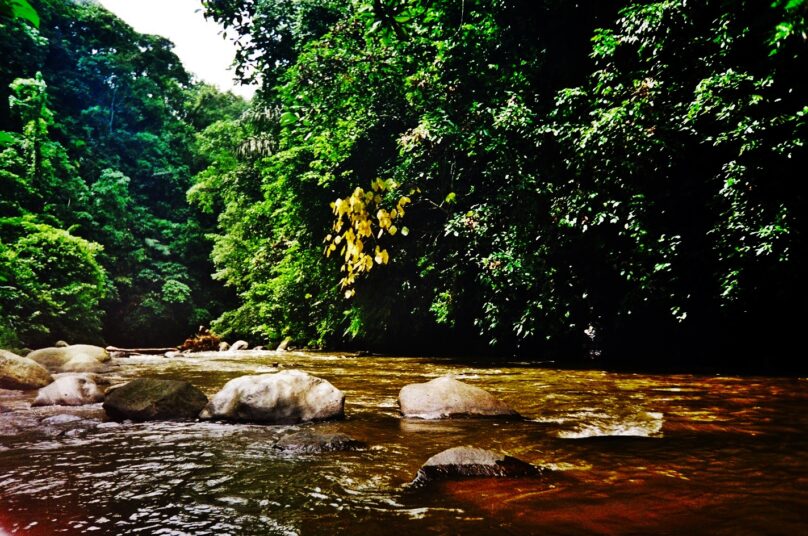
[(74, 358), (311, 442), (446, 397), (286, 397), (21, 372), (71, 389), (150, 399), (470, 462)]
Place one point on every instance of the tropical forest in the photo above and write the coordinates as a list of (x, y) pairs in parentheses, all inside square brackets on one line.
[(571, 220)]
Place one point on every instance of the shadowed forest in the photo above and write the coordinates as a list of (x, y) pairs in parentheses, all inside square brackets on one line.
[(617, 183)]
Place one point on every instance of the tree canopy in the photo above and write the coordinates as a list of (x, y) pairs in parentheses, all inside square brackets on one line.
[(608, 181), (611, 180), (99, 143)]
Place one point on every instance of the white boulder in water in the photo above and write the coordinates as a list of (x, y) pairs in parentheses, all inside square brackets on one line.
[(239, 345), (74, 358), (446, 397), (72, 389), (286, 397)]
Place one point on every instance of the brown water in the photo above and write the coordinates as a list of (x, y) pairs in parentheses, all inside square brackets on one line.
[(630, 454)]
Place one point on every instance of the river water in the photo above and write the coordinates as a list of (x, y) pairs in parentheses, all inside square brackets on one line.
[(628, 454)]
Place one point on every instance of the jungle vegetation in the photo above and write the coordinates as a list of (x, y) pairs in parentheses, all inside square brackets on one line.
[(608, 181)]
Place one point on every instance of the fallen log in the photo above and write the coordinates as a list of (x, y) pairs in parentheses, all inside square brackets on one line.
[(126, 352)]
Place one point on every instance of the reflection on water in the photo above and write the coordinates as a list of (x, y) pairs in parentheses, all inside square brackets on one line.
[(629, 453)]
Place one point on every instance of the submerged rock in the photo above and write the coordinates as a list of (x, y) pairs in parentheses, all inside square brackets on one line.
[(60, 419), (149, 399), (239, 345), (224, 346), (72, 389), (286, 397), (74, 358), (471, 462), (311, 442), (446, 397), (18, 372)]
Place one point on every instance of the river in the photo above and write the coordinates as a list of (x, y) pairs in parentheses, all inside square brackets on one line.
[(628, 454)]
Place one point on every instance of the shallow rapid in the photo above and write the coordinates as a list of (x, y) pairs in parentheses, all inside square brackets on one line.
[(628, 453)]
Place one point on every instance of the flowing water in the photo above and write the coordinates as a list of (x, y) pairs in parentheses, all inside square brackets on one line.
[(629, 453)]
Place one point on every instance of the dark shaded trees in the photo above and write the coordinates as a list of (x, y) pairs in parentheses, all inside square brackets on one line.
[(612, 181)]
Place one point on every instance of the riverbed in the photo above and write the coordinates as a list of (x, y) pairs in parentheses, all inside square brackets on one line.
[(625, 454)]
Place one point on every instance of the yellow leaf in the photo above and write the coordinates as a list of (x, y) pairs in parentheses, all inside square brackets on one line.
[(392, 230), (393, 214), (405, 231), (381, 256), (327, 238), (337, 239), (349, 293)]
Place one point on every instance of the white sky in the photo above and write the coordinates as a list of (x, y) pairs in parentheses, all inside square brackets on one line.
[(197, 42)]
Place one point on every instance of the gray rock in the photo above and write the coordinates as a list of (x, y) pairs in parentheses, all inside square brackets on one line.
[(446, 397), (21, 372), (149, 399), (239, 345), (284, 345), (286, 397), (311, 442), (75, 358), (72, 389), (60, 344), (108, 424), (224, 346), (470, 462), (60, 419)]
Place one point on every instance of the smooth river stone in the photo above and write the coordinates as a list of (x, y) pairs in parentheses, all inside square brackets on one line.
[(74, 358), (310, 442), (72, 389), (446, 397), (286, 397), (21, 372), (151, 399), (471, 462)]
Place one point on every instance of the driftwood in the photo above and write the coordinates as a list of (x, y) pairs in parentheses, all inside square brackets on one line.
[(125, 352)]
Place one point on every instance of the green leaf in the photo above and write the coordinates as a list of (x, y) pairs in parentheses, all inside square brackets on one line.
[(451, 199), (288, 118), (6, 138), (23, 10)]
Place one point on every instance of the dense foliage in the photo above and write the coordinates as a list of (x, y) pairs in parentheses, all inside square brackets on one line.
[(608, 180), (97, 150), (598, 179)]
